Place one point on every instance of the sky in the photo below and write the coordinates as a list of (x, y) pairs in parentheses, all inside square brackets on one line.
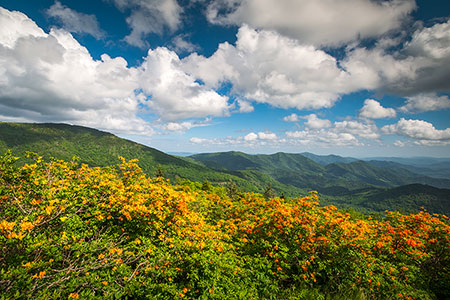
[(355, 78)]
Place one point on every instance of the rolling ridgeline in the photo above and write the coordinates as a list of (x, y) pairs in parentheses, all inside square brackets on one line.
[(368, 186)]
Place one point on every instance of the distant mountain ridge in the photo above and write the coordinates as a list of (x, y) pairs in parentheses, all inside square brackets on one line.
[(180, 153), (436, 170), (333, 171), (344, 181), (419, 161), (427, 166), (328, 159)]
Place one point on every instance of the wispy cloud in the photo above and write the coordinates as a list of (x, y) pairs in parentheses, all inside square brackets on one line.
[(74, 21), (425, 102), (181, 44), (148, 17), (184, 126)]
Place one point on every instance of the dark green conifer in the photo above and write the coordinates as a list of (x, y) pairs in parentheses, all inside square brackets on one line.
[(232, 190), (159, 172), (206, 186), (269, 192)]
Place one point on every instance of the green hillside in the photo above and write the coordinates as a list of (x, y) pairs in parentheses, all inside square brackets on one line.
[(426, 166), (94, 147), (98, 148), (404, 197)]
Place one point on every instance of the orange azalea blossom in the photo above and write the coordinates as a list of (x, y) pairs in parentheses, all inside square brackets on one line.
[(40, 275), (116, 250), (6, 226), (26, 226), (74, 296)]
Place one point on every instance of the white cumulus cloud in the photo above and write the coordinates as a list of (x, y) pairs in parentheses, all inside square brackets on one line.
[(260, 136), (267, 136), (15, 25), (431, 41), (340, 134), (291, 118), (61, 82), (372, 109), (269, 68), (314, 122), (323, 137), (417, 129), (343, 133), (399, 144), (196, 140), (245, 106), (251, 137), (174, 94), (420, 66), (184, 126), (366, 130)]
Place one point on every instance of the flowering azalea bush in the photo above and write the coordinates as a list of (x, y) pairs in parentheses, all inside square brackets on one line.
[(71, 231)]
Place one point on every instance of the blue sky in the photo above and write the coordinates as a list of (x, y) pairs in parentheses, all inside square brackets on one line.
[(358, 77)]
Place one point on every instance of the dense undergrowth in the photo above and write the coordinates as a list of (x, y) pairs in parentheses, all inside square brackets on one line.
[(69, 231)]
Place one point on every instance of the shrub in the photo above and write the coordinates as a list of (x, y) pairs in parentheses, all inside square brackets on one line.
[(71, 231)]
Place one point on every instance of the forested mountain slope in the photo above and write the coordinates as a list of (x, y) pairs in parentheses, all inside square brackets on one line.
[(98, 148)]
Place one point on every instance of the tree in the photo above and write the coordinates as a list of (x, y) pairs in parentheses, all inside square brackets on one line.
[(206, 186), (159, 172), (232, 190), (269, 192)]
